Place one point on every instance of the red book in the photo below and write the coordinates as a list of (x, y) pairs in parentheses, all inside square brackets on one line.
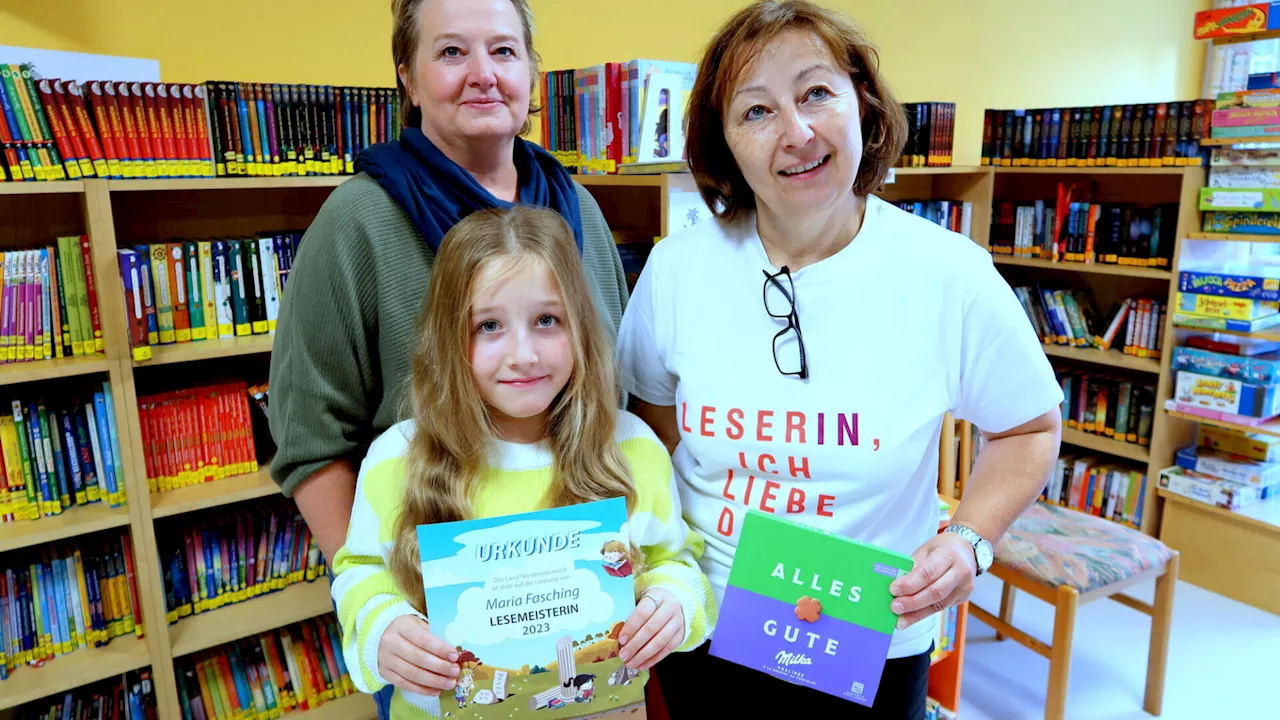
[(109, 133), (76, 105), (148, 143)]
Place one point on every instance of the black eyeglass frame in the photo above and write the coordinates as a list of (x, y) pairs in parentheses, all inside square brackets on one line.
[(792, 318)]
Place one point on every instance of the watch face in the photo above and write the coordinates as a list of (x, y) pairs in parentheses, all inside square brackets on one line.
[(984, 554)]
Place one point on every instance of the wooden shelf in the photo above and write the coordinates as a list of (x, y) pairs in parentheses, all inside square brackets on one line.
[(946, 170), (1110, 358), (84, 666), (1270, 428), (1264, 515), (1219, 142), (1176, 170), (23, 372), (1234, 237), (356, 706), (1103, 444), (1259, 335), (297, 602), (41, 188), (1251, 37), (213, 494), (208, 349), (1097, 268), (72, 522), (653, 180), (228, 183)]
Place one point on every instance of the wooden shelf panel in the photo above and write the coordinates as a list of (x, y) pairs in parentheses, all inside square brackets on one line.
[(297, 602), (228, 183), (213, 494), (23, 372), (1264, 515), (655, 180), (81, 667), (1096, 268), (1110, 358), (1093, 170), (947, 170), (1251, 37), (1103, 444), (1219, 142), (41, 188), (72, 522), (1234, 237), (356, 706), (1270, 428), (208, 349)]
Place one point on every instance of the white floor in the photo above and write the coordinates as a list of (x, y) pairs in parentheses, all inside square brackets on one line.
[(1222, 660)]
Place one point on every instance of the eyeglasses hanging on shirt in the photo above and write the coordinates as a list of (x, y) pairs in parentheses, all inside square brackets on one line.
[(779, 302)]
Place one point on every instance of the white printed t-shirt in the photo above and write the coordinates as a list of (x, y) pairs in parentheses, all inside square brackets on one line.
[(907, 322)]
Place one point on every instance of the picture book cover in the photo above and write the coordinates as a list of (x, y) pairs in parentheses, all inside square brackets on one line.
[(534, 603), (809, 607)]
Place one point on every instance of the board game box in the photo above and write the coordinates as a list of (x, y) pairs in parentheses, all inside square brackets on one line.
[(534, 603), (809, 607)]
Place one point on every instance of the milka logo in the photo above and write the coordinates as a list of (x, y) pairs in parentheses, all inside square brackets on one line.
[(787, 659)]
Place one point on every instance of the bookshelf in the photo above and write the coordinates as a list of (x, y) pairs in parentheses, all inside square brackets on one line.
[(121, 213)]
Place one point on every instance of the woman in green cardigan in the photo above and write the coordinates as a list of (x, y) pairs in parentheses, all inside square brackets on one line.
[(466, 71)]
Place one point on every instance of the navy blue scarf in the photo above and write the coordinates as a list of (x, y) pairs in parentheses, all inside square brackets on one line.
[(436, 192)]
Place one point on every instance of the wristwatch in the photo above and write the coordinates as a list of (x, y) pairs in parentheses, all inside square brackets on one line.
[(982, 551)]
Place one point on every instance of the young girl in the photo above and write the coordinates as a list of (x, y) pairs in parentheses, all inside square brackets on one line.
[(514, 408)]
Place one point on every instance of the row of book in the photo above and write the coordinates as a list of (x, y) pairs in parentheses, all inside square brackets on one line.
[(57, 129), (952, 215), (931, 132), (296, 667), (1115, 491), (1085, 232), (58, 599), (592, 117), (189, 291), (272, 129), (49, 302), (1165, 134), (130, 696), (229, 557), (1107, 404), (196, 435), (1069, 316), (58, 455), (1226, 468)]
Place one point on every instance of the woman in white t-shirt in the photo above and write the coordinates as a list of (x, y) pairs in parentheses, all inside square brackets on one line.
[(799, 351)]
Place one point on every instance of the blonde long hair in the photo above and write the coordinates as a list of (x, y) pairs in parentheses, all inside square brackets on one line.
[(452, 424)]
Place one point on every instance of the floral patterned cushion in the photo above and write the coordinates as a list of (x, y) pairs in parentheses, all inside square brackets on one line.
[(1059, 546)]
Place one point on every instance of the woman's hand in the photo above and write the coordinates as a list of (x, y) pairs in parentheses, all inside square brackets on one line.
[(654, 630), (414, 660), (943, 576)]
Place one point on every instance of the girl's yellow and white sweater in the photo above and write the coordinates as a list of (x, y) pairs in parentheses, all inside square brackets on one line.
[(515, 480)]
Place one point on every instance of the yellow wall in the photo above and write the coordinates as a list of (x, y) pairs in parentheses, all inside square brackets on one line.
[(977, 53)]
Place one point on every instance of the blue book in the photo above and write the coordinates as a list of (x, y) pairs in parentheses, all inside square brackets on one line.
[(535, 602)]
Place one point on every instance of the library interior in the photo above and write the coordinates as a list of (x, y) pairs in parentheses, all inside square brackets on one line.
[(207, 207)]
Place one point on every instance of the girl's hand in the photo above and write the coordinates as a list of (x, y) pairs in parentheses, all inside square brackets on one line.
[(414, 660), (654, 630)]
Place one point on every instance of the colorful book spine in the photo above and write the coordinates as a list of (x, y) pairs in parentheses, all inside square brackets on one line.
[(59, 599), (59, 455), (294, 668), (254, 551), (196, 435), (130, 695)]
